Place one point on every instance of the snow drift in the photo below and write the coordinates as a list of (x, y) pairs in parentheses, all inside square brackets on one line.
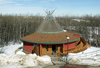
[(26, 60), (9, 58), (10, 49), (90, 57)]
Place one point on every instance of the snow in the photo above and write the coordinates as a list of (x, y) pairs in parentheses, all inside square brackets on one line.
[(10, 49), (91, 57), (11, 60), (25, 60), (30, 60), (79, 20), (44, 60), (20, 52), (65, 30)]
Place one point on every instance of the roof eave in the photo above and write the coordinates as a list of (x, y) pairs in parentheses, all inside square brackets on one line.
[(50, 42)]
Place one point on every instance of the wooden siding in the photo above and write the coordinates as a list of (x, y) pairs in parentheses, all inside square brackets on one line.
[(78, 36), (50, 48), (44, 50), (28, 47), (70, 45), (36, 50)]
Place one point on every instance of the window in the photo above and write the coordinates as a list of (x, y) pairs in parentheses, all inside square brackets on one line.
[(34, 45), (47, 47)]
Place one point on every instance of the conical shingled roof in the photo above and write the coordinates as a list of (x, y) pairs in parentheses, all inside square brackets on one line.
[(49, 25)]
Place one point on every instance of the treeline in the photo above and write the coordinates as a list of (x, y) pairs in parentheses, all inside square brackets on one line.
[(88, 26), (13, 27)]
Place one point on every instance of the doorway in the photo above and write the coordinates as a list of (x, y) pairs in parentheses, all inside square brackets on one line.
[(53, 49)]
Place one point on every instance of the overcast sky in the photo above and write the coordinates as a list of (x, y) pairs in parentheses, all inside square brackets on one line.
[(64, 7)]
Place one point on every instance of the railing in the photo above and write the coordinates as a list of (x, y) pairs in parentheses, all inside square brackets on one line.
[(75, 49), (81, 47)]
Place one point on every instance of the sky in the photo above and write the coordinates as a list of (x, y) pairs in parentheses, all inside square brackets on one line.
[(64, 7)]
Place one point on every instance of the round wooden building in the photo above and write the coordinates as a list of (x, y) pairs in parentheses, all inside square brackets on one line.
[(50, 39)]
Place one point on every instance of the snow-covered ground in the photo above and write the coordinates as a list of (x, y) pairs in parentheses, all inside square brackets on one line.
[(10, 49), (79, 20), (11, 60), (91, 57)]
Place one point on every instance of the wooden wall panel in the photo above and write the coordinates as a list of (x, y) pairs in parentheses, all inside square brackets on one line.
[(28, 47), (76, 35), (50, 48), (70, 45), (36, 50), (44, 50), (28, 50), (59, 48)]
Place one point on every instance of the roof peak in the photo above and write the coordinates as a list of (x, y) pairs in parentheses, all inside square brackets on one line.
[(49, 25), (50, 12)]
